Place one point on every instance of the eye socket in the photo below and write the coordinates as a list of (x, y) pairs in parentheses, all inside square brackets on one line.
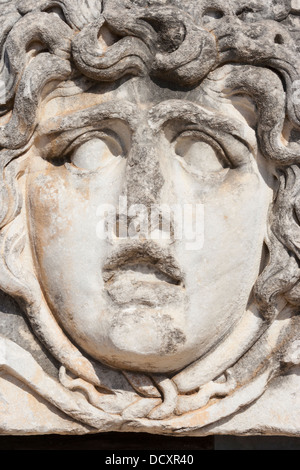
[(95, 154), (201, 154), (212, 14)]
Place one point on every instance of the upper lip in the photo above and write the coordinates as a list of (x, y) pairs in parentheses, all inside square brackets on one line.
[(146, 252)]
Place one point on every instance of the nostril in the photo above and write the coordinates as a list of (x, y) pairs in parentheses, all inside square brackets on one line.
[(278, 39)]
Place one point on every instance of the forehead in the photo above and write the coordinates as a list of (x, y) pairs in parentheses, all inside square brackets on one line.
[(144, 94), (141, 91)]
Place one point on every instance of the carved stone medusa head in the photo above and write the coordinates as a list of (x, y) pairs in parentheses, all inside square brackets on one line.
[(127, 127)]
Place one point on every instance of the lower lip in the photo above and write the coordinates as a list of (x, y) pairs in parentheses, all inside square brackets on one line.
[(131, 287)]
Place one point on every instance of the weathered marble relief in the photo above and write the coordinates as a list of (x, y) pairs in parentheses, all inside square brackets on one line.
[(177, 312)]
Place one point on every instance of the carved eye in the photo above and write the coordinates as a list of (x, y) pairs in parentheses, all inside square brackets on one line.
[(200, 153), (95, 154)]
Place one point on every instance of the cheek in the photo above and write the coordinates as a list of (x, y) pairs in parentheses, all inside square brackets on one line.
[(238, 208), (220, 275), (53, 206), (62, 218), (68, 254), (63, 204), (233, 231)]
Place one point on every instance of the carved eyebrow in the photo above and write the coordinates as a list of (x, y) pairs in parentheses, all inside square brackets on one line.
[(196, 115), (62, 131), (92, 116)]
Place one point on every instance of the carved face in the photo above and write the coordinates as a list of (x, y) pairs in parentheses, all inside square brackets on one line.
[(138, 303)]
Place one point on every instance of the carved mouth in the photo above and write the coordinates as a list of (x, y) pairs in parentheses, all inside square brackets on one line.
[(144, 258), (143, 273)]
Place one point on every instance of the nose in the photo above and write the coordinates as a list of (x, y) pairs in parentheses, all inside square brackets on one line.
[(144, 178), (143, 188)]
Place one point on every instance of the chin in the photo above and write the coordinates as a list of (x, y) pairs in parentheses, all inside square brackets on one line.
[(142, 338)]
